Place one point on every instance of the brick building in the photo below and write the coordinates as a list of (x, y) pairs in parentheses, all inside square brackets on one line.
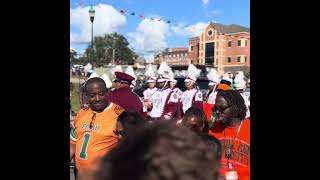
[(174, 56), (226, 47)]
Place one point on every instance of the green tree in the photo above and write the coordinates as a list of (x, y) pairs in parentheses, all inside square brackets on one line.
[(102, 51), (157, 61)]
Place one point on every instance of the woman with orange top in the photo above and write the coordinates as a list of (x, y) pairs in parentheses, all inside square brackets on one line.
[(233, 130)]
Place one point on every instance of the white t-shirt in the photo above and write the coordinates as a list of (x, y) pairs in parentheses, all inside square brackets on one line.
[(148, 92), (247, 103), (187, 98), (178, 91), (158, 100), (212, 97)]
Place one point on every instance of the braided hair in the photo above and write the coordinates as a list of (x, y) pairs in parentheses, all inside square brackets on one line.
[(236, 101)]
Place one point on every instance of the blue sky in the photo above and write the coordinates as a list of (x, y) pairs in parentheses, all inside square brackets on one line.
[(187, 19)]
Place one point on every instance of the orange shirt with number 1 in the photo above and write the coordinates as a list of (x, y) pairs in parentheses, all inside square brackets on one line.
[(92, 144)]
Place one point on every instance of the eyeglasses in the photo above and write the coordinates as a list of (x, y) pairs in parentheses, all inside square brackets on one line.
[(220, 108)]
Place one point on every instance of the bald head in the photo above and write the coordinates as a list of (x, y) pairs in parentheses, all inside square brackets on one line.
[(95, 80), (96, 92)]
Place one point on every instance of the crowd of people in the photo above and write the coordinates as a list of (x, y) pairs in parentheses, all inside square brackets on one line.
[(167, 134)]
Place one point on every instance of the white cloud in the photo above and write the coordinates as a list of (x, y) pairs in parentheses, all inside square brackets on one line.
[(205, 2), (107, 20), (71, 37), (149, 36), (215, 12), (191, 30), (71, 48), (149, 57)]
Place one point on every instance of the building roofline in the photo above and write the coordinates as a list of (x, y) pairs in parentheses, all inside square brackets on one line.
[(196, 37), (243, 32)]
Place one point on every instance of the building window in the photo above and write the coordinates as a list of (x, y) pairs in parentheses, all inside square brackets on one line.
[(245, 59), (173, 55), (239, 59), (229, 43), (210, 32), (191, 48), (242, 42), (229, 59)]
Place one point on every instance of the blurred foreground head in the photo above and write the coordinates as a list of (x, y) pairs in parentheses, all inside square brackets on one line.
[(161, 150)]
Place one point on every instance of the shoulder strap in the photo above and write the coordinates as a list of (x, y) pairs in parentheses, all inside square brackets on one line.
[(194, 96), (169, 97)]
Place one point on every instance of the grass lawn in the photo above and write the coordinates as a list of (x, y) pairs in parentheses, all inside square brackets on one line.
[(75, 103)]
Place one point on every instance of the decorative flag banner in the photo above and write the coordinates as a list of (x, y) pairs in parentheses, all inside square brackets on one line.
[(125, 12)]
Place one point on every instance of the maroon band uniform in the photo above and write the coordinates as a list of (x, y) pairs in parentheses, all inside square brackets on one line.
[(123, 96)]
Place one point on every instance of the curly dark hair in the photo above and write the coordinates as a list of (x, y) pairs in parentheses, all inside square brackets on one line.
[(131, 122), (193, 111), (236, 101), (161, 151), (130, 118)]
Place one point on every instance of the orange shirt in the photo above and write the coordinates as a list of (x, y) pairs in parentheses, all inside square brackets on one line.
[(92, 144), (240, 156)]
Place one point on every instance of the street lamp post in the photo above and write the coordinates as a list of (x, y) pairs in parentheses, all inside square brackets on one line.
[(91, 14), (79, 73), (113, 51)]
